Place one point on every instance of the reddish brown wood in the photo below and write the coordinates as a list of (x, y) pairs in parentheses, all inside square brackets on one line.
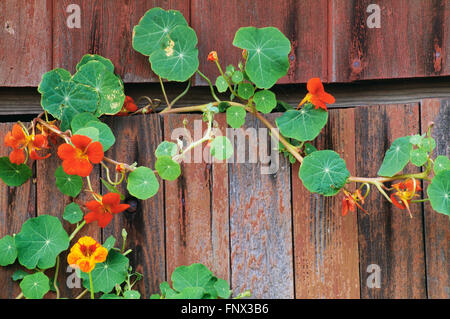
[(197, 203), (412, 40), (136, 141), (17, 204), (26, 41), (303, 22), (325, 242), (388, 237), (437, 230), (106, 29)]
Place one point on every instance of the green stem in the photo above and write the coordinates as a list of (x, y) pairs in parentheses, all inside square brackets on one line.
[(210, 85), (420, 200), (77, 230), (182, 93), (20, 296), (55, 279), (169, 106), (85, 291), (91, 285), (226, 79)]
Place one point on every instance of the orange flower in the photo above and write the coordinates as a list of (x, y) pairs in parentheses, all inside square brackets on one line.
[(77, 158), (405, 192), (128, 106), (103, 211), (350, 201), (317, 95), (212, 56), (86, 253)]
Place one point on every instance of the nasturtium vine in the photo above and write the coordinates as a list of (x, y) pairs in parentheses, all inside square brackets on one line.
[(72, 129)]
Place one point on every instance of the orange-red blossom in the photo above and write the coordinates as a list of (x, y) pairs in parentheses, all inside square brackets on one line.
[(350, 201), (405, 191), (128, 106), (86, 253), (104, 210), (212, 56), (317, 95)]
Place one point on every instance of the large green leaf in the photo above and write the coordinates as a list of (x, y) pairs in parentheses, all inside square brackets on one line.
[(80, 120), (324, 172), (439, 192), (35, 286), (64, 98), (8, 251), (166, 148), (167, 168), (153, 29), (40, 241), (223, 288), (396, 157), (177, 59), (142, 183), (69, 185), (13, 174), (302, 125), (195, 275), (267, 50), (108, 86)]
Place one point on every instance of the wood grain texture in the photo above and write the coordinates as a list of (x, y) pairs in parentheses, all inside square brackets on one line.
[(197, 221), (260, 216), (136, 141), (388, 237), (437, 230), (303, 22), (106, 29), (26, 41), (17, 204), (325, 242), (412, 41)]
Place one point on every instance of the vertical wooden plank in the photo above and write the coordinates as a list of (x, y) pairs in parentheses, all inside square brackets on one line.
[(325, 242), (17, 204), (197, 222), (106, 29), (136, 140), (437, 230), (303, 22), (411, 40), (26, 41), (260, 218), (388, 237)]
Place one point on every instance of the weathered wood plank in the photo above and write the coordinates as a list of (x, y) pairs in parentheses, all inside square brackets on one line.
[(25, 39), (17, 204), (325, 242), (136, 141), (260, 215), (303, 22), (388, 237), (411, 40), (106, 29), (437, 230), (197, 221)]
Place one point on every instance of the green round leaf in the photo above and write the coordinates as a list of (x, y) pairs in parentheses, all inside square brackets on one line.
[(69, 185), (237, 77), (153, 28), (309, 148), (166, 149), (142, 183), (223, 288), (441, 163), (221, 84), (246, 90), (415, 139), (95, 57), (267, 50), (302, 125), (13, 174), (73, 213), (236, 116), (419, 156), (195, 275), (439, 192), (324, 172), (40, 241), (19, 274), (188, 293), (64, 98), (8, 251), (103, 82), (221, 148), (111, 296), (427, 143), (223, 106), (90, 132), (105, 136), (80, 120), (396, 158), (35, 286), (177, 59), (109, 243), (167, 168), (265, 101), (132, 294)]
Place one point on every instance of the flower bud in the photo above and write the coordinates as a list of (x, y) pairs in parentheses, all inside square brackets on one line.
[(212, 56)]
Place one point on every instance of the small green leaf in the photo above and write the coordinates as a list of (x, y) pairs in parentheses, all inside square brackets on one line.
[(221, 148), (396, 158), (105, 135), (428, 144), (441, 163), (166, 149), (309, 148), (132, 294), (419, 156), (167, 168), (195, 275), (265, 101), (223, 106), (415, 139), (109, 243), (237, 77), (80, 120), (19, 275), (111, 296), (35, 286), (439, 192), (229, 70), (73, 213), (90, 132), (223, 288), (324, 172), (8, 251), (189, 293), (246, 90), (221, 84), (70, 185), (155, 296), (95, 57), (236, 116), (142, 183), (13, 174)]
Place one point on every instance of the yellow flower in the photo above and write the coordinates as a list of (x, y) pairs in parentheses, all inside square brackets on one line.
[(86, 253)]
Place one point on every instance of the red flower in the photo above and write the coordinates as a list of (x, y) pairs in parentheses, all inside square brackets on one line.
[(405, 192), (350, 201), (212, 56), (77, 158), (103, 211), (128, 106), (317, 95)]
